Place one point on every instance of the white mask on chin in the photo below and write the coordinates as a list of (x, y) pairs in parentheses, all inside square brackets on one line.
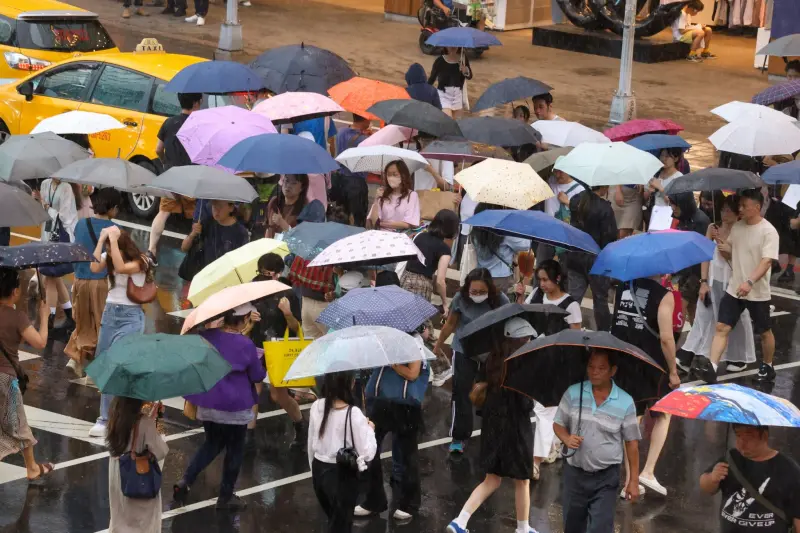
[(479, 298)]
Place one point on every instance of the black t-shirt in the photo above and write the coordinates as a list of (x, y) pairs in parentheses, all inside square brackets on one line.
[(778, 480), (218, 240), (174, 152), (433, 248), (273, 323)]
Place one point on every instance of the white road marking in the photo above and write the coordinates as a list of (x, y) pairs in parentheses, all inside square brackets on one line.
[(61, 425), (11, 472), (780, 292), (142, 227), (22, 236), (27, 356)]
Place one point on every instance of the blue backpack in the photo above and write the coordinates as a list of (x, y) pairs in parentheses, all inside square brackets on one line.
[(387, 384)]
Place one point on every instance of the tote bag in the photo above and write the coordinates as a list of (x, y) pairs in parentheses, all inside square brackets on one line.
[(279, 356)]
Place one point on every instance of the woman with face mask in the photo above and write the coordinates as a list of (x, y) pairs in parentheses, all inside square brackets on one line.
[(396, 204), (477, 296)]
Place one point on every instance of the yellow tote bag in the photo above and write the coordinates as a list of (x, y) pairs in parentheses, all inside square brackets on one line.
[(279, 356)]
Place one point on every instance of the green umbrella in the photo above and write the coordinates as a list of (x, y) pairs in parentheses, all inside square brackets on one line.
[(155, 367)]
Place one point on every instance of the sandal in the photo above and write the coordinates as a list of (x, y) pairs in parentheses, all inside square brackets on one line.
[(45, 469), (536, 472)]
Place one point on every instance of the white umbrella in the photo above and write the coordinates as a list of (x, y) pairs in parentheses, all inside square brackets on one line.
[(375, 158), (756, 137), (84, 122), (563, 133), (736, 110), (370, 248), (609, 164)]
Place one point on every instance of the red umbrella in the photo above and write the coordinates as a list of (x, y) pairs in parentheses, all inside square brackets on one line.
[(634, 128)]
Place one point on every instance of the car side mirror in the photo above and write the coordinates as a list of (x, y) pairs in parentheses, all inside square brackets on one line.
[(26, 90)]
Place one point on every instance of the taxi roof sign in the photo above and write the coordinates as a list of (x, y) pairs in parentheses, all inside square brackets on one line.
[(149, 44)]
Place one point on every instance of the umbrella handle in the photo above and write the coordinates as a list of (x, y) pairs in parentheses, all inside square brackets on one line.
[(41, 285)]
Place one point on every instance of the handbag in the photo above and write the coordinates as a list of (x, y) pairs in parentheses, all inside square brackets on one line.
[(347, 456), (469, 261), (478, 393), (279, 356), (189, 410), (147, 292), (139, 474), (737, 474), (387, 384), (193, 261), (431, 202), (22, 377)]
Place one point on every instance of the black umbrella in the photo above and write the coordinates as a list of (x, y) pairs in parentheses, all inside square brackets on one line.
[(498, 131), (18, 208), (510, 90), (38, 254), (418, 115), (713, 179), (301, 68), (463, 151), (546, 367)]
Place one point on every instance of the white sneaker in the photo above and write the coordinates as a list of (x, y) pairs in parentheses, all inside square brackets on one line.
[(76, 367), (360, 511), (246, 3), (201, 21), (98, 430), (401, 515), (193, 18), (653, 484)]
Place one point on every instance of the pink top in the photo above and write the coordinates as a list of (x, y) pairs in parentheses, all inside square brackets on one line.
[(407, 211)]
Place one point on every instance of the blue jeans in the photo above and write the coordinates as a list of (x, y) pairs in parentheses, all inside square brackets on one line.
[(228, 437), (117, 322)]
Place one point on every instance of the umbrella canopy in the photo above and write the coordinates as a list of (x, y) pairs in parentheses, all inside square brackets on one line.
[(369, 248), (36, 254), (357, 348), (542, 160), (563, 133), (156, 367), (633, 128), (463, 151), (301, 68), (209, 134), (510, 90), (609, 164), (84, 122), (655, 142), (713, 179), (279, 154), (505, 183), (106, 172), (234, 268), (37, 156), (733, 111), (215, 77), (730, 403), (375, 158), (295, 107), (777, 93), (229, 298), (206, 183), (357, 95), (653, 253), (783, 173), (18, 208), (786, 46), (756, 137), (421, 116), (498, 131), (309, 239), (389, 135), (537, 226), (546, 367), (388, 306), (463, 37)]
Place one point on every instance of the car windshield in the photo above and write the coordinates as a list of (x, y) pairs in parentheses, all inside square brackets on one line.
[(63, 35)]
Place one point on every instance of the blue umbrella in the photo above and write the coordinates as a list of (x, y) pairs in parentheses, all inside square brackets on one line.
[(783, 173), (536, 226), (463, 38), (308, 239), (215, 77), (279, 154), (655, 142), (653, 253), (388, 306)]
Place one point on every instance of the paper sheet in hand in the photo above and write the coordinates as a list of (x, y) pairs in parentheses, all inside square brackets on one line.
[(792, 196), (661, 218)]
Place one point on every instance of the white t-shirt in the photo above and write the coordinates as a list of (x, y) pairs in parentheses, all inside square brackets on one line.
[(572, 188), (119, 293), (574, 315), (326, 447), (424, 180), (749, 245), (661, 200)]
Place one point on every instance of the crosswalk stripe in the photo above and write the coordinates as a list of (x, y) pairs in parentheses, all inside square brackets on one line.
[(61, 425), (11, 472)]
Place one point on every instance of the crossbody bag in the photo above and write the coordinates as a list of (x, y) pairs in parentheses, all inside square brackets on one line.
[(755, 494)]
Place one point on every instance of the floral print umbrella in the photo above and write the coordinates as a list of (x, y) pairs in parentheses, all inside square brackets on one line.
[(40, 254), (371, 248)]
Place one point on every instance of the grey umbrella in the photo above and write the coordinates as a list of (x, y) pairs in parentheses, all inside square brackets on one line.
[(498, 131), (38, 156), (540, 161), (713, 179), (463, 151), (787, 46), (418, 115), (207, 183), (106, 172), (17, 208), (510, 90)]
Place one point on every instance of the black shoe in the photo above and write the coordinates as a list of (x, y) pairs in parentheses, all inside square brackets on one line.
[(168, 11), (51, 322), (68, 326), (300, 435), (765, 373), (704, 370), (684, 360), (178, 13), (787, 276), (234, 503), (150, 255), (179, 493)]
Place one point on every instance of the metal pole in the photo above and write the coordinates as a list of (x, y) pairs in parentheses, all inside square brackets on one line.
[(230, 33), (623, 106)]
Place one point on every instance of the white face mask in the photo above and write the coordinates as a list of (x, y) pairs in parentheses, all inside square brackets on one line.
[(394, 181), (479, 298)]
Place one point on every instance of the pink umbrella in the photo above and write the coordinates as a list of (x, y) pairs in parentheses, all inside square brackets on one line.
[(294, 107), (209, 133), (633, 128), (389, 136)]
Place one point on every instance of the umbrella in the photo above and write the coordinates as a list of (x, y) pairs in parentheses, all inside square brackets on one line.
[(463, 151), (733, 111), (36, 254), (505, 183), (209, 133), (279, 154), (777, 93), (357, 348), (234, 268), (301, 68), (542, 160), (463, 37), (546, 367), (389, 135), (388, 306), (369, 248), (615, 163), (156, 367), (106, 172), (537, 226), (375, 158), (296, 107), (84, 122), (18, 208), (421, 116), (309, 239), (357, 95), (783, 173), (498, 131), (215, 77), (713, 179), (207, 183), (655, 142), (786, 46), (510, 90), (756, 137), (652, 253), (633, 128), (730, 403), (38, 156), (563, 133)]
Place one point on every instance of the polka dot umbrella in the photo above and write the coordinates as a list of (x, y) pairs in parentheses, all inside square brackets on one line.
[(506, 183), (388, 306), (371, 248)]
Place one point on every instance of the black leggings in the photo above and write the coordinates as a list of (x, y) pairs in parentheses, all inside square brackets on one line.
[(337, 491)]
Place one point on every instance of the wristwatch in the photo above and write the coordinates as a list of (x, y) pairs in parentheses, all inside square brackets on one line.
[(750, 282), (704, 281)]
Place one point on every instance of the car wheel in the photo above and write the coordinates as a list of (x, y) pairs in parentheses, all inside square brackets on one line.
[(144, 205), (4, 133)]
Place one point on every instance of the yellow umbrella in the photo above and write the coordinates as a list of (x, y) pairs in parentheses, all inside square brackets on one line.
[(506, 183), (234, 268)]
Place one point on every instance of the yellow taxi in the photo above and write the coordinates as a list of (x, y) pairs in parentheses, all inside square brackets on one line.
[(36, 34)]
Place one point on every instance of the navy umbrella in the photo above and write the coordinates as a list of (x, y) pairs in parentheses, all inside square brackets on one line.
[(38, 254), (278, 154), (417, 115), (308, 239), (510, 90), (463, 37), (498, 131), (655, 142), (388, 306), (215, 77), (301, 68), (783, 173), (713, 179)]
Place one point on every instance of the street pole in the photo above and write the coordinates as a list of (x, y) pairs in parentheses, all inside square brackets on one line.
[(623, 106), (230, 33)]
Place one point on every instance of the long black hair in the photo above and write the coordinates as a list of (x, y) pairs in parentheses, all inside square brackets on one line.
[(302, 199), (554, 272), (336, 386), (484, 239), (123, 416), (481, 274)]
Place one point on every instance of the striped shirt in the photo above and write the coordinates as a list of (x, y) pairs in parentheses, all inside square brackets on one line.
[(604, 428)]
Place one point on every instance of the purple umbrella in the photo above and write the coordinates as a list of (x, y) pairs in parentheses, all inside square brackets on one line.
[(778, 93), (208, 134)]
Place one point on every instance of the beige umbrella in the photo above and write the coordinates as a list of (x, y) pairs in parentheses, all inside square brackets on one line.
[(506, 183)]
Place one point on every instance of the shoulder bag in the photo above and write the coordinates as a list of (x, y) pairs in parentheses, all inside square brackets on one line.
[(737, 474), (347, 456), (193, 260), (147, 292), (22, 377), (387, 384), (139, 474), (57, 233)]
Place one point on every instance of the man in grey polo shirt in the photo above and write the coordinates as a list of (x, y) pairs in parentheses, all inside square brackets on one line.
[(592, 474)]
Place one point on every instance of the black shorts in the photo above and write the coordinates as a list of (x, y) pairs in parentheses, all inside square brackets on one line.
[(731, 308), (653, 393)]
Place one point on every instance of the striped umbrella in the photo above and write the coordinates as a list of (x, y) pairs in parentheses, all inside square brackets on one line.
[(777, 93)]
